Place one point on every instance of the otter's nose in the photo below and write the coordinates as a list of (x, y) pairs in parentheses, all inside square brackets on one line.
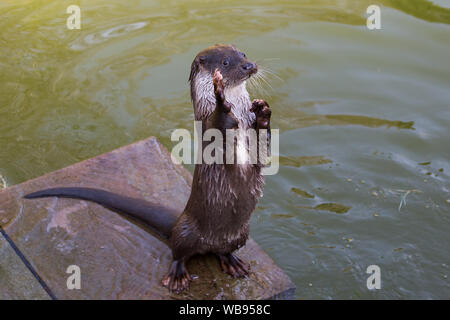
[(249, 66)]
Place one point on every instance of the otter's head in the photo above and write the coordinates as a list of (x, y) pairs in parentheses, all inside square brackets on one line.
[(232, 64)]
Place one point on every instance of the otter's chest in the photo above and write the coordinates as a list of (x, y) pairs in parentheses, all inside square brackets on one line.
[(227, 187)]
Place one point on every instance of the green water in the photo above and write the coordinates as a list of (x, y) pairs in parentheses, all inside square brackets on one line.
[(364, 119)]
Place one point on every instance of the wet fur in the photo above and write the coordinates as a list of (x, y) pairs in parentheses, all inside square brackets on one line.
[(223, 196)]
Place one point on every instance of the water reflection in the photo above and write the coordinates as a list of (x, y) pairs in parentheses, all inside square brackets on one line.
[(363, 118)]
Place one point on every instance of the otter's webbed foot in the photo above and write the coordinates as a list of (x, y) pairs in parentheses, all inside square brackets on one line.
[(233, 266), (262, 112), (178, 278)]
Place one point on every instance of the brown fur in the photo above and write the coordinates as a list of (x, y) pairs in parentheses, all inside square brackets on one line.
[(223, 197)]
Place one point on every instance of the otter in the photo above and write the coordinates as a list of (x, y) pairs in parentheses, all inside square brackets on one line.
[(223, 196)]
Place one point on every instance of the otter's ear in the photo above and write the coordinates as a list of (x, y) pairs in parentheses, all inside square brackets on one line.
[(195, 67)]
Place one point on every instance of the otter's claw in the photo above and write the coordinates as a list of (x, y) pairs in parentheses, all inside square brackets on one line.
[(233, 266), (262, 112), (178, 278)]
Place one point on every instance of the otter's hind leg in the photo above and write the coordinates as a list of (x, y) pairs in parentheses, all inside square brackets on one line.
[(232, 265), (178, 278)]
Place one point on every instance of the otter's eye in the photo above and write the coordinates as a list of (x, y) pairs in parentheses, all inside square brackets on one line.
[(244, 55), (225, 62)]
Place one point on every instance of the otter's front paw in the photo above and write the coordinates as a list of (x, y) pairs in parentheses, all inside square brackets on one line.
[(262, 112), (219, 91)]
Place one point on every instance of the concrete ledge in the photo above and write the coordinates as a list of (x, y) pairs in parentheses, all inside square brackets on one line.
[(119, 259)]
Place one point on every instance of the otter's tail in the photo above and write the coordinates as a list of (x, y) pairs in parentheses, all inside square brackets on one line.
[(158, 217)]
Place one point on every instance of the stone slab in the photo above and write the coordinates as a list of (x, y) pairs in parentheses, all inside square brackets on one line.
[(16, 281), (118, 257)]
